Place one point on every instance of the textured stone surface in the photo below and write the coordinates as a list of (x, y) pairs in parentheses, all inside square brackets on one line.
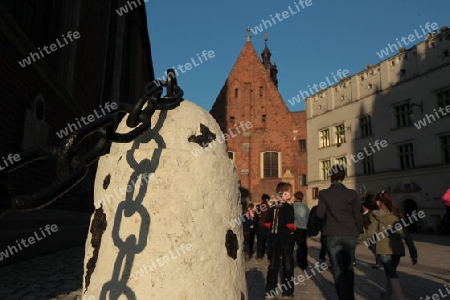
[(179, 218), (425, 278)]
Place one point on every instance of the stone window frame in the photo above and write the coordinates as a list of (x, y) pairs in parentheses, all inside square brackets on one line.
[(302, 145), (368, 165), (277, 168), (325, 165), (341, 160), (365, 125), (403, 113), (339, 134), (324, 138), (405, 153)]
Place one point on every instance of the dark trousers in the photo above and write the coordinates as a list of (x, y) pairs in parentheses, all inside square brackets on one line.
[(262, 241), (284, 247), (246, 244), (251, 240), (342, 255), (300, 236), (323, 247)]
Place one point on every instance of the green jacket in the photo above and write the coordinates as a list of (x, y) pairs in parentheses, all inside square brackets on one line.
[(387, 232)]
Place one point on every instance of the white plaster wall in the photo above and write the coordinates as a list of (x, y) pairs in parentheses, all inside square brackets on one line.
[(190, 201), (427, 71)]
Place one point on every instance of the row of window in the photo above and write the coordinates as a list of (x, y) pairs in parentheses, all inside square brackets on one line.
[(261, 92), (271, 161), (405, 155), (404, 111), (403, 115), (339, 136)]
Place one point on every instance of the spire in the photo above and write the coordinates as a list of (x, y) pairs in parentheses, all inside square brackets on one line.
[(248, 35), (265, 55)]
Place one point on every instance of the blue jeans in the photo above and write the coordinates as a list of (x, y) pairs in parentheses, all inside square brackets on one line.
[(342, 255), (390, 264)]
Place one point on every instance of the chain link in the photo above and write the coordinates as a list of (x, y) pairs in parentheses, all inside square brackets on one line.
[(70, 167)]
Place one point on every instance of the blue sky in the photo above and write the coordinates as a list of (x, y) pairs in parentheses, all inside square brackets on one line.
[(306, 46)]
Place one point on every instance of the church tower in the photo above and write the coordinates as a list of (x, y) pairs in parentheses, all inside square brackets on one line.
[(266, 140), (271, 68)]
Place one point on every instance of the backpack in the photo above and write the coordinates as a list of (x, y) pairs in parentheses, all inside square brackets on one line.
[(314, 225)]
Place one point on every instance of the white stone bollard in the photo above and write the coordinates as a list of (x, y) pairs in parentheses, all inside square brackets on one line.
[(163, 214)]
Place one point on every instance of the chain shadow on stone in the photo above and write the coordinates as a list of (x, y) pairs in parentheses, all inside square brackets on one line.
[(128, 249)]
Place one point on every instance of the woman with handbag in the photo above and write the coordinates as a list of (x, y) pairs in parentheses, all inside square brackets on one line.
[(385, 231)]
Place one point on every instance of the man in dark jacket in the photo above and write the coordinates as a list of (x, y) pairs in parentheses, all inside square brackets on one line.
[(342, 209)]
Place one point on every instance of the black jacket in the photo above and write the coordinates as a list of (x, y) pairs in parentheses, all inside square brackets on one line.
[(285, 217), (342, 209)]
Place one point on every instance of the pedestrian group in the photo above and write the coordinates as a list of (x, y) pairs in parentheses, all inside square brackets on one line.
[(341, 221)]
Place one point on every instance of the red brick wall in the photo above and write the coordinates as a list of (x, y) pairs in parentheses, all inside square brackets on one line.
[(280, 131)]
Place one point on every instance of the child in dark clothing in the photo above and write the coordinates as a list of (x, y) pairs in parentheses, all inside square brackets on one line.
[(280, 221)]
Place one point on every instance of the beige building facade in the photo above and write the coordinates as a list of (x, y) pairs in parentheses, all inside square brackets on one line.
[(390, 124)]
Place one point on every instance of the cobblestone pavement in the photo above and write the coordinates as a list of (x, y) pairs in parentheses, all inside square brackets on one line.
[(425, 278), (59, 275)]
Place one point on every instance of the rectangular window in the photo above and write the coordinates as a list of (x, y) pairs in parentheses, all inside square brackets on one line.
[(302, 145), (302, 180), (236, 92), (315, 193), (403, 115), (325, 138), (340, 133), (365, 124), (406, 156), (445, 146), (443, 98), (261, 91), (270, 164), (367, 164), (342, 161), (326, 165)]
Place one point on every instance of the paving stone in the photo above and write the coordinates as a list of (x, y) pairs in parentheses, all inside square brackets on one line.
[(59, 276)]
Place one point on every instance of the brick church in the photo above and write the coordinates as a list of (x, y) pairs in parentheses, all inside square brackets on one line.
[(274, 148)]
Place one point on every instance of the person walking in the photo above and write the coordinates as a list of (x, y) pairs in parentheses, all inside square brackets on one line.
[(262, 233), (341, 209), (281, 223), (251, 216), (301, 214), (386, 224)]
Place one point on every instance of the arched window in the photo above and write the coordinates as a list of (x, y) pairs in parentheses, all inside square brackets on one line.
[(261, 91)]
